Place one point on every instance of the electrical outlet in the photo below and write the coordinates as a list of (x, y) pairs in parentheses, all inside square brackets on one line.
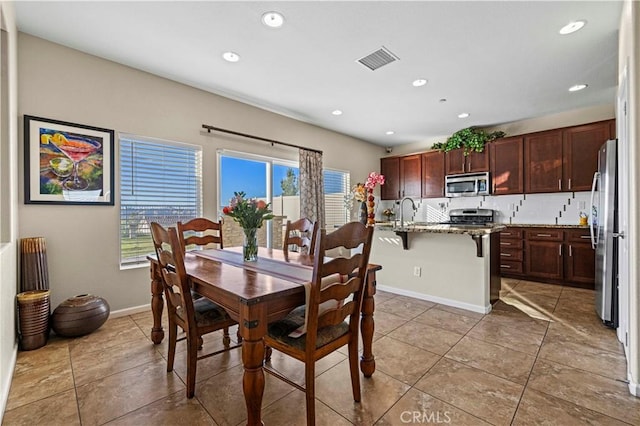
[(417, 271)]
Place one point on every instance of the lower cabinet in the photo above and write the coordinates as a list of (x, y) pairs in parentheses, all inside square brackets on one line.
[(555, 255)]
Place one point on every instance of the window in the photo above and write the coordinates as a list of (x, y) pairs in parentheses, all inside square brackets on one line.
[(160, 181), (277, 182)]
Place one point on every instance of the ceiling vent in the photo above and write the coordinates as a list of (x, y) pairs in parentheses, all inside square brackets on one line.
[(378, 59)]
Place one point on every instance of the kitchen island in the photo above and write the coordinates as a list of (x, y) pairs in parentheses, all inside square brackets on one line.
[(452, 265)]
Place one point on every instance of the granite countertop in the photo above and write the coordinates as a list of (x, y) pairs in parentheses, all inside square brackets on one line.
[(441, 229), (534, 225)]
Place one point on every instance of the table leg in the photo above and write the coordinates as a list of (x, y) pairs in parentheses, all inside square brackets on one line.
[(367, 326), (157, 303), (253, 326)]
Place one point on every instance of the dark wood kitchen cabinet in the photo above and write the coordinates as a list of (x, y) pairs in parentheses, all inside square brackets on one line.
[(433, 174), (390, 168), (411, 176), (543, 161), (580, 258), (507, 165), (580, 150), (456, 162), (543, 248), (403, 177), (564, 159)]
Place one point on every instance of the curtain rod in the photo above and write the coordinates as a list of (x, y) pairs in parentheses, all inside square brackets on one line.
[(271, 141)]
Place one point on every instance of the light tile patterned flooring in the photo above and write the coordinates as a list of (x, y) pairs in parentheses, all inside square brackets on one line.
[(541, 357)]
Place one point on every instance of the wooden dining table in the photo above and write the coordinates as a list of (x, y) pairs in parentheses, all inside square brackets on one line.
[(255, 294)]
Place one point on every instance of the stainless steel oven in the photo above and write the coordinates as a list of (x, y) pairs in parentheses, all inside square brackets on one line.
[(467, 185)]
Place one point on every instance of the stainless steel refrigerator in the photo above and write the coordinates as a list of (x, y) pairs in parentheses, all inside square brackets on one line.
[(604, 226)]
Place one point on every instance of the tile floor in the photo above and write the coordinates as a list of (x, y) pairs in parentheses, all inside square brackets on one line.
[(541, 357)]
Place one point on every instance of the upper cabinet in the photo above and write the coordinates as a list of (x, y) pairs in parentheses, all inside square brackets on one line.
[(580, 148), (390, 168), (411, 176), (507, 164), (456, 162), (543, 161), (433, 174), (563, 159)]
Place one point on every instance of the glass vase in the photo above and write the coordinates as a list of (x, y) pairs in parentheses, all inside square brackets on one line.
[(250, 245), (363, 213)]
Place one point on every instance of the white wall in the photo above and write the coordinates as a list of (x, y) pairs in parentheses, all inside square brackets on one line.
[(8, 212), (82, 241)]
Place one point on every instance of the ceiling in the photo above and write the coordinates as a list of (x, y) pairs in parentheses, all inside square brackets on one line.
[(498, 61)]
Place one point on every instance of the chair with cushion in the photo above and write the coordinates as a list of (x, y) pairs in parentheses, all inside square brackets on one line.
[(332, 311), (202, 232), (195, 318), (299, 236)]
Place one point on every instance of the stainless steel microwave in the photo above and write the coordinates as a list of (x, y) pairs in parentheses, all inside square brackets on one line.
[(467, 184)]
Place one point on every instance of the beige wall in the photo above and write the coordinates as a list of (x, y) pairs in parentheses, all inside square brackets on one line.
[(628, 54), (65, 84), (8, 212)]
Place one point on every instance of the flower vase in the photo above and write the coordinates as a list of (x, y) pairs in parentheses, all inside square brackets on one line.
[(250, 245), (363, 213)]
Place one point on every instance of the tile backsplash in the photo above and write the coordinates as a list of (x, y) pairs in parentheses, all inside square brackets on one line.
[(562, 208)]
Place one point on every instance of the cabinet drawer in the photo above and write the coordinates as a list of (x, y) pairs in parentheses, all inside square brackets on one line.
[(510, 254), (509, 243), (544, 234), (578, 236), (511, 233), (508, 267)]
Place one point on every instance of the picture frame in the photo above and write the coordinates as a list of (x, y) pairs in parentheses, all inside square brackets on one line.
[(67, 163)]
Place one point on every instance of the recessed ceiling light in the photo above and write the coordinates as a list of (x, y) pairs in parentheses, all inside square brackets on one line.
[(419, 82), (336, 112), (463, 115), (390, 132), (577, 87), (273, 19), (572, 27), (231, 56)]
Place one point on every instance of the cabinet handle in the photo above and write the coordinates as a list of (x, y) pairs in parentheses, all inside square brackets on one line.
[(543, 235), (560, 250), (504, 244), (570, 251), (505, 254), (569, 183), (469, 168), (560, 184), (505, 266), (505, 233), (585, 237)]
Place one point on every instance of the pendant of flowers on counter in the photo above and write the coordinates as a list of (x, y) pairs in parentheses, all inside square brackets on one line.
[(371, 182)]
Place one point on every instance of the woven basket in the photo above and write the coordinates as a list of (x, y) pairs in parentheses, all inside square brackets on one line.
[(34, 308)]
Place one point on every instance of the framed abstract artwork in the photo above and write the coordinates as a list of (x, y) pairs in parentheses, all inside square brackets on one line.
[(67, 163)]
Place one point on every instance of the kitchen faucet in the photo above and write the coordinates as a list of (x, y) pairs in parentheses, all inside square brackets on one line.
[(413, 205)]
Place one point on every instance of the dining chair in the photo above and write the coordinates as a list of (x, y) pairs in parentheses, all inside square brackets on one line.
[(195, 318), (299, 236), (332, 312), (202, 232)]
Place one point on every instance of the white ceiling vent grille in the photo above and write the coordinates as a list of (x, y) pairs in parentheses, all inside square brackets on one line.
[(378, 59)]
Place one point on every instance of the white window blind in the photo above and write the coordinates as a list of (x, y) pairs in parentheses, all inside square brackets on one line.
[(336, 188), (160, 181)]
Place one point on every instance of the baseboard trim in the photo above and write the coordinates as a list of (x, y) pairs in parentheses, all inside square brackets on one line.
[(5, 386), (441, 300), (130, 311), (634, 387)]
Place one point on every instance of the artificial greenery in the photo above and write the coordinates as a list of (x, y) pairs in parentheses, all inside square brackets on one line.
[(469, 139)]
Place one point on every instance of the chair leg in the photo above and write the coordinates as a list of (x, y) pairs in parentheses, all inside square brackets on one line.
[(173, 336), (267, 353), (310, 391), (192, 359), (353, 368), (226, 340)]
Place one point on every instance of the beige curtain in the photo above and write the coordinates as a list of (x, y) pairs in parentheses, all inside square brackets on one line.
[(311, 186)]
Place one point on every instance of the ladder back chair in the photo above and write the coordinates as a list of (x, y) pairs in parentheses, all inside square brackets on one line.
[(195, 318), (334, 296), (300, 236), (202, 232)]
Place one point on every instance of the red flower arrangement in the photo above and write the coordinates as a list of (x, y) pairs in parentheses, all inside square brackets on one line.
[(373, 180)]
